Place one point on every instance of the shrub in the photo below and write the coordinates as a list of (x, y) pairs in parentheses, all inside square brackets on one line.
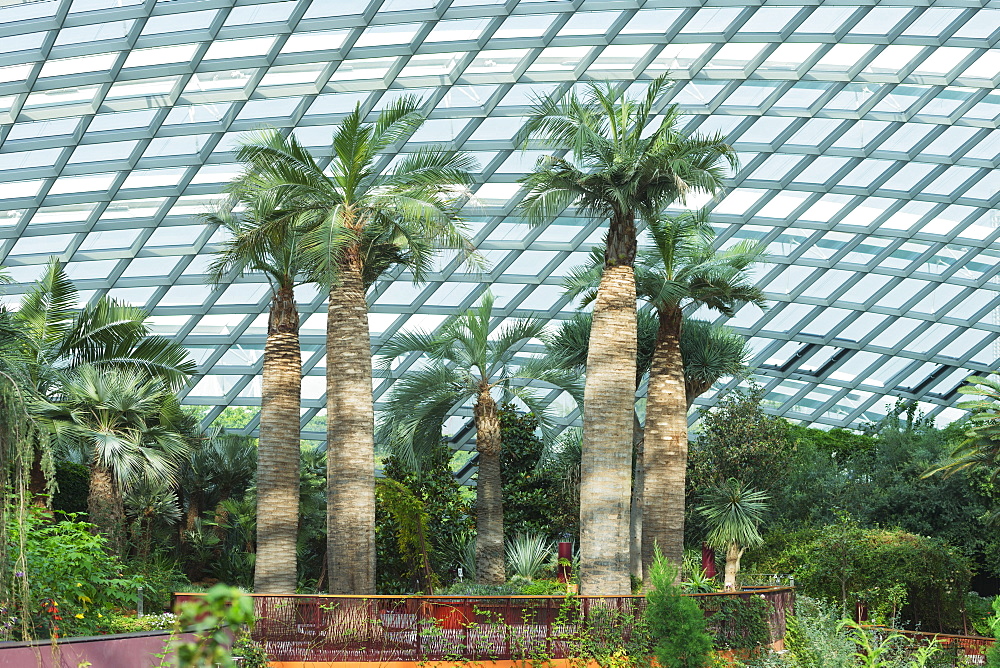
[(74, 582), (896, 573), (676, 623), (814, 638), (741, 623)]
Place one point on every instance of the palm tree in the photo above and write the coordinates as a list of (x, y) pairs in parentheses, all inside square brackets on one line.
[(354, 221), (709, 352), (734, 514), (119, 420), (466, 364), (52, 336), (981, 447), (620, 170), (256, 245), (681, 270)]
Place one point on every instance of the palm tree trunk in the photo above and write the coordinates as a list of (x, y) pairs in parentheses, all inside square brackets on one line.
[(609, 403), (278, 452), (350, 425), (733, 556), (104, 506), (665, 446), (635, 513), (489, 499)]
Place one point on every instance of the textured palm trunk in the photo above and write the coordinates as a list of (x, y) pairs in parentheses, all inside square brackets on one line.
[(350, 420), (489, 499), (278, 452), (609, 403), (733, 556), (635, 513), (665, 447), (104, 506)]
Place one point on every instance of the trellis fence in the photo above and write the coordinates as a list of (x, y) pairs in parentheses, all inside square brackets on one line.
[(441, 628)]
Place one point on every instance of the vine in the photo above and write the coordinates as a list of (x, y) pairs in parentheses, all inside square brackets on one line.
[(411, 527), (20, 437)]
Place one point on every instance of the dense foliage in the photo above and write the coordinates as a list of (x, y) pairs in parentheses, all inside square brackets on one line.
[(676, 623)]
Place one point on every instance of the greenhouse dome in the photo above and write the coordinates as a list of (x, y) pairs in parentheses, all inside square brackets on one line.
[(867, 136)]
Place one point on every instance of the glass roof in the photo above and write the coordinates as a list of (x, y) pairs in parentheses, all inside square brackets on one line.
[(868, 137)]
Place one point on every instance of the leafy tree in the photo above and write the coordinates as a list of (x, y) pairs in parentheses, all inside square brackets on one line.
[(734, 514), (256, 245), (981, 447), (356, 223), (468, 365), (449, 510), (619, 169), (48, 337), (676, 623), (535, 500)]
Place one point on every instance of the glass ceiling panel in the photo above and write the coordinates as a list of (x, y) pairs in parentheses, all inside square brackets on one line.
[(869, 144)]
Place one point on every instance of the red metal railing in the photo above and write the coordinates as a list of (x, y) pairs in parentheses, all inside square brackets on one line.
[(435, 628), (971, 648)]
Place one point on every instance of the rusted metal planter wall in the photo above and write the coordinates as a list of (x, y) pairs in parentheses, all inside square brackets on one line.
[(382, 629)]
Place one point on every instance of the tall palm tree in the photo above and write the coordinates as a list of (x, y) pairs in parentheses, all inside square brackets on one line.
[(257, 245), (734, 514), (681, 269), (348, 217), (709, 352), (620, 170), (467, 364), (53, 336), (119, 419)]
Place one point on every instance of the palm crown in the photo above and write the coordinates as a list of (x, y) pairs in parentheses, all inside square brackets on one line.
[(464, 362), (617, 167), (352, 212)]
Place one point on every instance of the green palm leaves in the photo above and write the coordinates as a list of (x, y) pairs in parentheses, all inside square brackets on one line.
[(617, 164), (734, 513), (981, 447), (464, 358)]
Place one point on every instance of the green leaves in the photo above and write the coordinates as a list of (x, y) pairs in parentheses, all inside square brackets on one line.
[(734, 513)]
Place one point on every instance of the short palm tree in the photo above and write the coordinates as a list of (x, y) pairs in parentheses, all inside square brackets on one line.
[(620, 170), (680, 270), (734, 514), (52, 336), (257, 245), (118, 420), (465, 365), (354, 221)]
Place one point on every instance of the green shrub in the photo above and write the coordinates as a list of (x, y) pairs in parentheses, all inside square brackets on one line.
[(814, 638), (918, 579), (119, 623), (74, 581), (676, 623), (741, 623)]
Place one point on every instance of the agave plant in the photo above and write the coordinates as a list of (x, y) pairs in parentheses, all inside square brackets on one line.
[(527, 554)]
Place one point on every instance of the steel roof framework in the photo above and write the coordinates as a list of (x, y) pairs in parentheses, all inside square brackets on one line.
[(867, 132)]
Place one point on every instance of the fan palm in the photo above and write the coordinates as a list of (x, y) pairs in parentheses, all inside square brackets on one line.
[(356, 222), (681, 269), (467, 364), (53, 336), (116, 419), (256, 245), (733, 514), (620, 170), (709, 352)]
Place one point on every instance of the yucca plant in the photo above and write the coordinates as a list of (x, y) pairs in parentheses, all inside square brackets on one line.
[(734, 513), (527, 554)]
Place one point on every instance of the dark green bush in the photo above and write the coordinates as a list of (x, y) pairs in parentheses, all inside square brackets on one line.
[(676, 623), (741, 623)]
